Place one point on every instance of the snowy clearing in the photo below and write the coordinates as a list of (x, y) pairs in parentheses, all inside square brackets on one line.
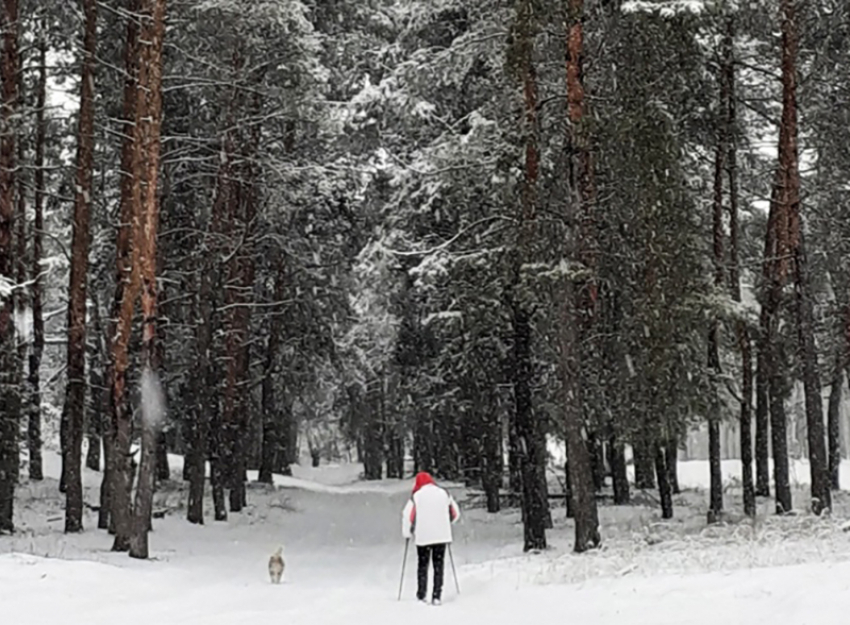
[(343, 553)]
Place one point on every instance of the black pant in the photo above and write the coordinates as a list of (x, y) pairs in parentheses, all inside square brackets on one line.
[(437, 554)]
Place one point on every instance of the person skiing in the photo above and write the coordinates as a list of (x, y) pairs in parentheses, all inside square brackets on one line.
[(428, 517)]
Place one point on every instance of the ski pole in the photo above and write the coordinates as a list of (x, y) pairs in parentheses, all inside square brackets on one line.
[(403, 564), (454, 572)]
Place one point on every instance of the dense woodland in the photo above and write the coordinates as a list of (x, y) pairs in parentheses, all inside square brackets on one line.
[(447, 231)]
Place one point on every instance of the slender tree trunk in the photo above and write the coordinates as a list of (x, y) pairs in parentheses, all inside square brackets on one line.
[(149, 118), (834, 420), (762, 424), (270, 415), (75, 396), (579, 302), (204, 405), (492, 460), (127, 284), (619, 471), (721, 152), (8, 401), (741, 330), (36, 472), (775, 270), (580, 475), (274, 437), (789, 196), (664, 490), (671, 461), (644, 461)]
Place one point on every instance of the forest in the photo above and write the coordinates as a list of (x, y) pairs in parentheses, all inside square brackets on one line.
[(445, 235)]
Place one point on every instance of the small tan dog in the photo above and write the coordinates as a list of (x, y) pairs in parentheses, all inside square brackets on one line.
[(276, 565)]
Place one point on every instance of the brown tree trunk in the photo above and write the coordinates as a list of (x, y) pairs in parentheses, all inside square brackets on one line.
[(34, 421), (124, 304), (149, 118), (577, 330), (75, 395), (741, 330), (8, 367), (789, 196), (534, 508), (771, 367)]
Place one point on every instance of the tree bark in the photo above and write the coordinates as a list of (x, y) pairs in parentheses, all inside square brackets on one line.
[(671, 461), (619, 471), (834, 421), (36, 471), (741, 330), (76, 368), (149, 121), (715, 508), (492, 461), (664, 490), (644, 460), (124, 303), (579, 301), (762, 423), (8, 402)]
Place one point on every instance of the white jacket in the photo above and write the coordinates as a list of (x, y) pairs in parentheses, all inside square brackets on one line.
[(429, 515)]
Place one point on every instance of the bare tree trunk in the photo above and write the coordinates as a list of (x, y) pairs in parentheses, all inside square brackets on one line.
[(663, 483), (775, 269), (149, 118), (789, 197), (715, 508), (762, 423), (76, 390), (741, 330), (126, 292), (619, 471), (834, 420), (644, 460), (8, 401), (34, 421), (579, 301)]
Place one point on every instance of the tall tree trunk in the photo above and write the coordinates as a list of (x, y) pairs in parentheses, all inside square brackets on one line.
[(36, 471), (619, 470), (671, 461), (8, 401), (127, 284), (525, 426), (789, 197), (579, 301), (204, 403), (274, 435), (644, 460), (715, 508), (775, 269), (741, 330), (75, 396), (762, 421), (834, 420), (149, 118), (492, 459), (663, 483)]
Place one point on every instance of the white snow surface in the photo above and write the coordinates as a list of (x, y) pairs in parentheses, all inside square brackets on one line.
[(343, 555)]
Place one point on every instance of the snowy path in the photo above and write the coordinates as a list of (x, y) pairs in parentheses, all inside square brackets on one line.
[(344, 554)]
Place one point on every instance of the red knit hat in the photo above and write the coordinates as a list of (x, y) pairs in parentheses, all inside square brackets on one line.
[(422, 479)]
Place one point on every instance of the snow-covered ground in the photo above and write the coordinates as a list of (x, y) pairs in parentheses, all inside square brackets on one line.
[(344, 552)]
